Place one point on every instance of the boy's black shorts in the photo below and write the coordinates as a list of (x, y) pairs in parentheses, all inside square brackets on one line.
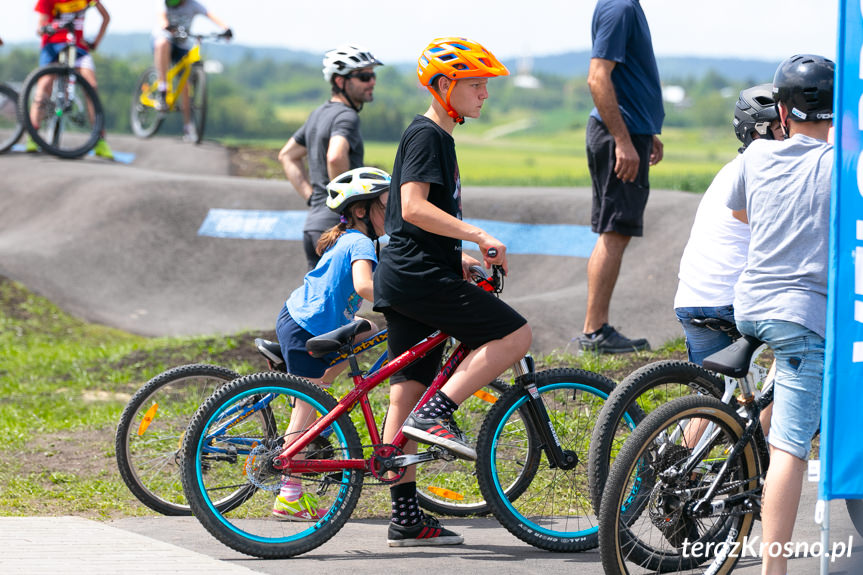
[(459, 309), (617, 206)]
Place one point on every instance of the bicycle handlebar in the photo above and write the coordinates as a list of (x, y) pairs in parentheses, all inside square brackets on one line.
[(180, 33)]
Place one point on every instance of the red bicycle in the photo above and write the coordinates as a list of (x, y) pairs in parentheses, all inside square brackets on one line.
[(237, 439)]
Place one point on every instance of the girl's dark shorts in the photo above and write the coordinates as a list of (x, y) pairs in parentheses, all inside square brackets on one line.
[(457, 308), (618, 206), (292, 340)]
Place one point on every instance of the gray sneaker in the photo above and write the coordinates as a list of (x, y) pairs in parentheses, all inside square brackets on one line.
[(609, 340)]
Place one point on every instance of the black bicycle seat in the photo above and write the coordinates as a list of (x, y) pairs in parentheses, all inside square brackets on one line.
[(270, 349), (734, 360), (337, 339)]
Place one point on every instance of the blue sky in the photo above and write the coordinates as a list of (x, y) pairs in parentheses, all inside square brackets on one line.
[(394, 31)]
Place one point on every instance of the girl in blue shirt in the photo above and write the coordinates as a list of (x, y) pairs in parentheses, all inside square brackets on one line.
[(330, 296)]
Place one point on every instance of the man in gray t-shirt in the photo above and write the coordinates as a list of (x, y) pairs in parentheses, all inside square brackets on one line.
[(783, 188), (330, 139)]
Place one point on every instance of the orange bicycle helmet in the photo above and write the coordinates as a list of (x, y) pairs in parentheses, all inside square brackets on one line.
[(456, 58)]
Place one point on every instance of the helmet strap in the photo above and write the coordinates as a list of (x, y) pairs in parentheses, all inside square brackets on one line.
[(341, 90), (445, 102)]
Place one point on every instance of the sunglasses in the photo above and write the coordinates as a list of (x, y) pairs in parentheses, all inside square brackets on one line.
[(362, 76)]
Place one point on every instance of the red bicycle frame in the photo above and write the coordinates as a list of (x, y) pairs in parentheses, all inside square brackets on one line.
[(359, 394)]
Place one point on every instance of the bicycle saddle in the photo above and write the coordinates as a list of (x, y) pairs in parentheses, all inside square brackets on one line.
[(734, 360), (337, 339), (270, 349)]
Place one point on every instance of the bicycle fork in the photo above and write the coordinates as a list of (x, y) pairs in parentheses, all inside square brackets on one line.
[(557, 456)]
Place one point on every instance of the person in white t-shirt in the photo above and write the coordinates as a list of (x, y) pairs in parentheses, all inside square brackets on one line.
[(715, 254)]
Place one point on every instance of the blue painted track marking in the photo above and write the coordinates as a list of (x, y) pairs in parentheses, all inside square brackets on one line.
[(542, 239)]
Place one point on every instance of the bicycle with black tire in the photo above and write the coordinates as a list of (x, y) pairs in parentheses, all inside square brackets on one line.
[(11, 127), (530, 422), (151, 429), (685, 489), (188, 74), (650, 386), (58, 107)]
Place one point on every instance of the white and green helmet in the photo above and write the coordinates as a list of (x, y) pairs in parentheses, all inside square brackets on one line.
[(359, 184)]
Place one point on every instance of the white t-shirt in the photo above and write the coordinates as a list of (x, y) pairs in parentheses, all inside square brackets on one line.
[(715, 254)]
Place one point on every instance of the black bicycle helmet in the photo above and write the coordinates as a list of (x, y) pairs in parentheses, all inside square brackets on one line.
[(804, 83), (754, 112)]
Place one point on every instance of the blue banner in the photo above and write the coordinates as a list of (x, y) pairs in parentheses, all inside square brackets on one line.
[(842, 406)]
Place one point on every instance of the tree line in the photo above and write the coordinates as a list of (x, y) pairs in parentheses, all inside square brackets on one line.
[(246, 100)]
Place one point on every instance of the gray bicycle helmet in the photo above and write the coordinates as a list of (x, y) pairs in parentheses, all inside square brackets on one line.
[(754, 112), (804, 83), (345, 59)]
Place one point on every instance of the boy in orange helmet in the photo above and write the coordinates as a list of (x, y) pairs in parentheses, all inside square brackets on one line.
[(420, 283)]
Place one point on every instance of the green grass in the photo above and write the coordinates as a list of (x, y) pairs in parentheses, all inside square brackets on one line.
[(557, 158), (64, 383)]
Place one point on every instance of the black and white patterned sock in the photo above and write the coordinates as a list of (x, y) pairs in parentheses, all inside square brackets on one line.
[(406, 510), (439, 406)]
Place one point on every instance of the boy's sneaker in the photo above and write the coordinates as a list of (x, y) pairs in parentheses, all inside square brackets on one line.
[(30, 146), (438, 432), (427, 532), (303, 509), (609, 340), (103, 150)]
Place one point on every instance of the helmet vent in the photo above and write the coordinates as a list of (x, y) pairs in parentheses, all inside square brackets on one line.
[(460, 46), (448, 57)]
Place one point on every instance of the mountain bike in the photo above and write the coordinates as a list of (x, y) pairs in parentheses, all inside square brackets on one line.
[(652, 385), (187, 73), (10, 123), (68, 120), (670, 489), (151, 428), (236, 439)]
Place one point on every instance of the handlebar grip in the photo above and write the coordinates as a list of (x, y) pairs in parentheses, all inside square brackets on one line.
[(491, 252)]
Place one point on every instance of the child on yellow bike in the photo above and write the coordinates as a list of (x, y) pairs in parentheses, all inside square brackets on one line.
[(168, 48), (330, 296), (60, 12)]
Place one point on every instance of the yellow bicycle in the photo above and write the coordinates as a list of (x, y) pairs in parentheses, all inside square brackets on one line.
[(189, 73)]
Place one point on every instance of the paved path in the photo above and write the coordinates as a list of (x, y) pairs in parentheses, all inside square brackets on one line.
[(151, 545)]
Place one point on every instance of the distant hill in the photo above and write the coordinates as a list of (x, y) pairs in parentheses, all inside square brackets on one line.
[(569, 64)]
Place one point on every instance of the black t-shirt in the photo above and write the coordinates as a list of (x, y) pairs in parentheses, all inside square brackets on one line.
[(415, 261)]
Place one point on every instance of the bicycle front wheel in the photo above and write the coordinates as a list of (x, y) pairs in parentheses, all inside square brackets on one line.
[(198, 100), (150, 435), (61, 111), (225, 448), (451, 487), (143, 116), (10, 124), (554, 511), (647, 521), (639, 393)]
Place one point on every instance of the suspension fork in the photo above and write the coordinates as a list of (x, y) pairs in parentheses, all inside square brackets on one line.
[(557, 456)]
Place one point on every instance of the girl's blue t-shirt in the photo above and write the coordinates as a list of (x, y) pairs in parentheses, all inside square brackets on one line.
[(327, 299)]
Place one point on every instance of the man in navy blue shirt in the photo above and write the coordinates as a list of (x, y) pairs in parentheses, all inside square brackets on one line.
[(622, 144)]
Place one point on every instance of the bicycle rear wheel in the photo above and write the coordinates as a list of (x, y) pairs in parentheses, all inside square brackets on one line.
[(198, 99), (150, 435), (143, 116), (639, 393), (67, 120), (451, 487), (646, 519), (554, 511), (10, 124), (224, 448)]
